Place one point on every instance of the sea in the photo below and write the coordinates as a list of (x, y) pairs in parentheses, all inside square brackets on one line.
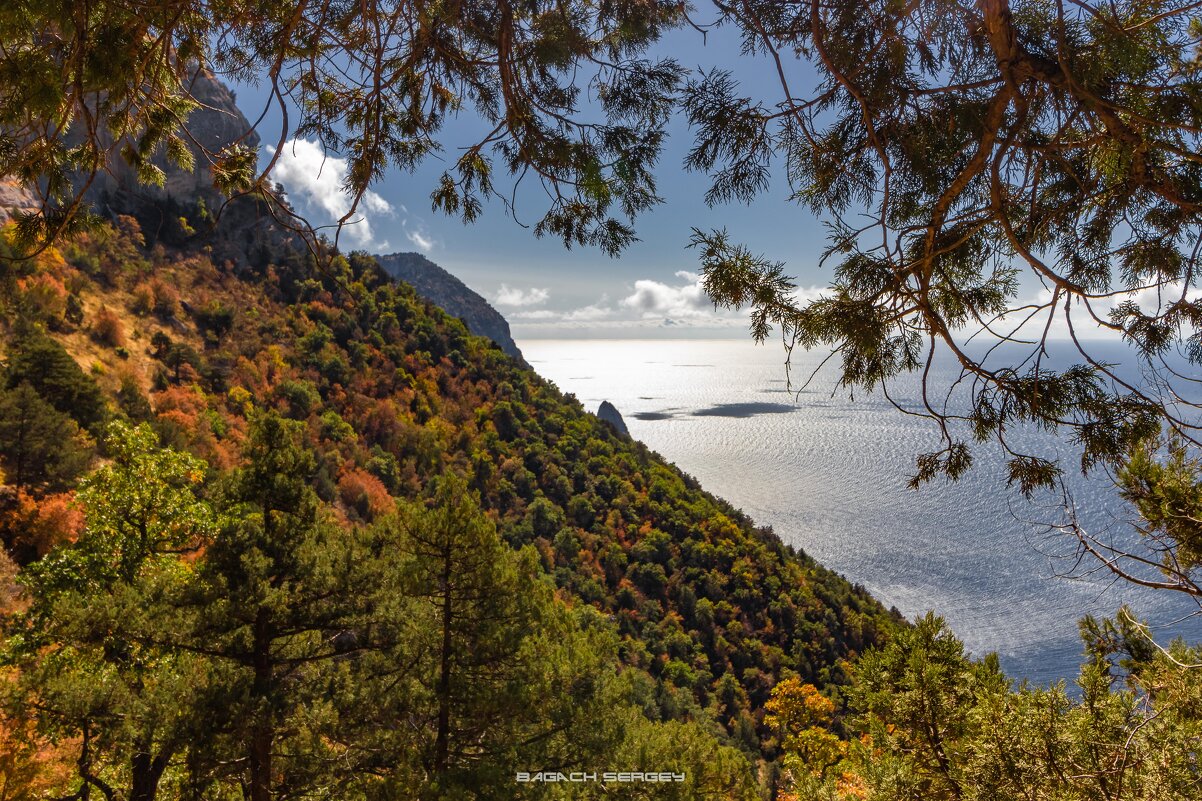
[(828, 470)]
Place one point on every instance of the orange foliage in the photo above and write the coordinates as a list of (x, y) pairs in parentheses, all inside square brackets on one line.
[(184, 411), (35, 525), (189, 400), (44, 294), (10, 591), (851, 785), (143, 302), (364, 493), (166, 298), (31, 768), (108, 329)]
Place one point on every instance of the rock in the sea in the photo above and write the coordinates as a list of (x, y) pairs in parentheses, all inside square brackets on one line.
[(610, 414)]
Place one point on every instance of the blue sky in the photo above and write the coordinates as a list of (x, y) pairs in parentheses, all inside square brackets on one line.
[(542, 288)]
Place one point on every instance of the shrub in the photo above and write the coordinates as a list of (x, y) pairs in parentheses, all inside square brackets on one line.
[(107, 328), (166, 299), (363, 493), (215, 318), (73, 312), (143, 302)]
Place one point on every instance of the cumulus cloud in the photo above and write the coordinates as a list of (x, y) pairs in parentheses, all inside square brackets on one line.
[(655, 299), (1054, 323), (317, 181), (597, 311), (536, 314), (513, 296)]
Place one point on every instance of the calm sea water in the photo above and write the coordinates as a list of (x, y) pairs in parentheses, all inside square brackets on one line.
[(828, 473)]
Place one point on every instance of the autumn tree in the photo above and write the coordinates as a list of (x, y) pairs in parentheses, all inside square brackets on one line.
[(801, 717), (92, 664)]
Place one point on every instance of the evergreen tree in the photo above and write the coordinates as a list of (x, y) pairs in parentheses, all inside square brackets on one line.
[(274, 604), (503, 675), (931, 723), (41, 362), (39, 445)]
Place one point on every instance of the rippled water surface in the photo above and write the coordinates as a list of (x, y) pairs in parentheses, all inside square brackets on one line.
[(828, 473)]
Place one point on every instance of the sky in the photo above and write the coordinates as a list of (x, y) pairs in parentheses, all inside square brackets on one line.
[(542, 288), (547, 291)]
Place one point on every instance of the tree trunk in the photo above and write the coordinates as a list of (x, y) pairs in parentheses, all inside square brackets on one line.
[(442, 741), (262, 729), (146, 771)]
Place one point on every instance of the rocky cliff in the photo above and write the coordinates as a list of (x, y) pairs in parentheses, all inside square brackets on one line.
[(187, 210), (216, 124), (443, 289)]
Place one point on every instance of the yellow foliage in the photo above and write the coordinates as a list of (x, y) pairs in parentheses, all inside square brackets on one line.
[(795, 706), (801, 714), (240, 398)]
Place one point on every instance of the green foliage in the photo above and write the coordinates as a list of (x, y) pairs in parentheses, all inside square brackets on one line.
[(314, 647), (41, 362), (1167, 493), (933, 724), (89, 648), (39, 445), (421, 656)]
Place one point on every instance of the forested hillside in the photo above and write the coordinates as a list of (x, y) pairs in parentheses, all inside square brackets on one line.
[(282, 528)]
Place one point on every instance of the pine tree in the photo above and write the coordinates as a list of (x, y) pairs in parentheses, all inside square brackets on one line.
[(41, 362), (39, 445), (274, 604)]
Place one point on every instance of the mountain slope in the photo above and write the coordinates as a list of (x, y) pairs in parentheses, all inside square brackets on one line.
[(392, 392), (443, 289), (190, 324)]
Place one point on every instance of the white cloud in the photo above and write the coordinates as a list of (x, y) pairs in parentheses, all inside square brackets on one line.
[(655, 299), (512, 296), (1055, 321), (597, 311), (419, 240), (536, 314), (649, 305), (318, 182)]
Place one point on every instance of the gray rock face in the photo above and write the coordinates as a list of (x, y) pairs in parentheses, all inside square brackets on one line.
[(216, 124), (610, 414), (116, 190), (15, 197), (443, 289), (172, 214)]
